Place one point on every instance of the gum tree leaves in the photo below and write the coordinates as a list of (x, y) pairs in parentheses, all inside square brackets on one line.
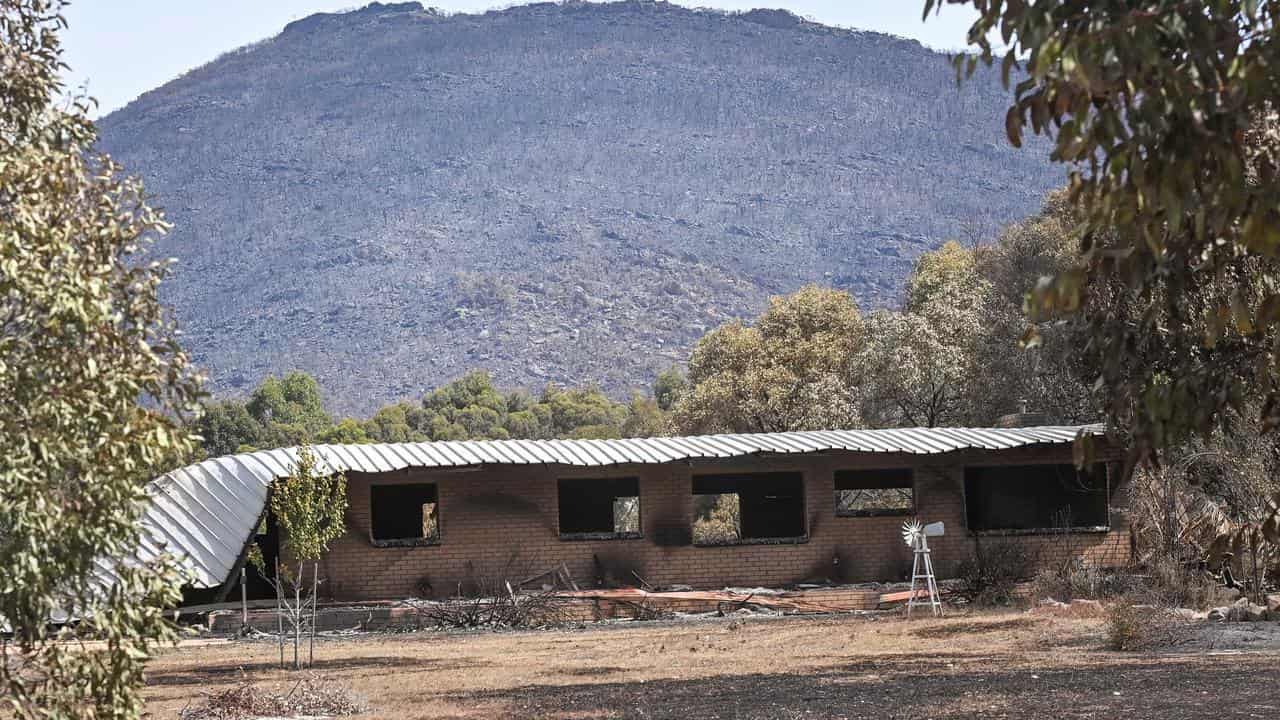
[(93, 387), (1164, 112)]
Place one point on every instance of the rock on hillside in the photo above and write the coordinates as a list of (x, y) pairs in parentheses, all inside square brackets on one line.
[(573, 192)]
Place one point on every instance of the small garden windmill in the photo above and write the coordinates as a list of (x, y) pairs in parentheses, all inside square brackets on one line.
[(916, 536)]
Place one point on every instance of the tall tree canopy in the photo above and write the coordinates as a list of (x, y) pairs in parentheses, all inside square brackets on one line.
[(227, 428), (790, 371), (918, 364), (1165, 112), (1054, 378), (949, 356), (291, 408), (290, 411), (91, 386)]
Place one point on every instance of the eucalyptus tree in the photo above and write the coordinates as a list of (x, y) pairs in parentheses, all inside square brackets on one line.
[(1164, 112), (310, 506), (93, 388), (918, 365), (792, 370)]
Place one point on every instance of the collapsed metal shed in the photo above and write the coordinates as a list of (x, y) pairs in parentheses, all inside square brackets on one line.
[(205, 513)]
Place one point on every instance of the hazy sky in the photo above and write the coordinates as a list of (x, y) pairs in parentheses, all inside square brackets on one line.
[(119, 49)]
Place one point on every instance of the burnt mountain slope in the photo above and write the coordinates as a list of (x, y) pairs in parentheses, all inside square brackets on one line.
[(575, 192)]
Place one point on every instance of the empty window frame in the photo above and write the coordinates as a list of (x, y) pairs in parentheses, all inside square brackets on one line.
[(754, 507), (1033, 498), (872, 493), (404, 515), (599, 508)]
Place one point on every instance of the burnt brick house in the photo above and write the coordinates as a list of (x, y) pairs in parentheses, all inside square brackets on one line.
[(710, 511)]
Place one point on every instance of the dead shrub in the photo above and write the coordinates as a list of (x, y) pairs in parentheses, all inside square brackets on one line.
[(312, 696), (1077, 580), (1066, 583), (500, 610), (1165, 583), (995, 570), (1177, 584), (1143, 627)]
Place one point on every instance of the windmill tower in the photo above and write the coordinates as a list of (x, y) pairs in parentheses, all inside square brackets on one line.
[(916, 536)]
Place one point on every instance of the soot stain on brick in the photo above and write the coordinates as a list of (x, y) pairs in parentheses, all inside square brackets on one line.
[(672, 533), (617, 569)]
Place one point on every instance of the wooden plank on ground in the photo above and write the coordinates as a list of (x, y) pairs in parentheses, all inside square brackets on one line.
[(902, 596)]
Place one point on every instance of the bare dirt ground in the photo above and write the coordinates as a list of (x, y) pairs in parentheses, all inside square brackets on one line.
[(989, 665)]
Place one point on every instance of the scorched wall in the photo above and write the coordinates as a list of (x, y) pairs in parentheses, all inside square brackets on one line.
[(501, 522)]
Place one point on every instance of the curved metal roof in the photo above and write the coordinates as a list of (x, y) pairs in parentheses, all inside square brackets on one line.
[(205, 512)]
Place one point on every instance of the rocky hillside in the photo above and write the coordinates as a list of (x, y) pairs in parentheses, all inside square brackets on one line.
[(575, 192)]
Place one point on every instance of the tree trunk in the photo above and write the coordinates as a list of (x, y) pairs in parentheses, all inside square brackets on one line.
[(315, 582), (297, 619), (279, 616)]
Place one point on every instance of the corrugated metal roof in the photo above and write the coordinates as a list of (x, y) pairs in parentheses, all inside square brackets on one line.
[(204, 513)]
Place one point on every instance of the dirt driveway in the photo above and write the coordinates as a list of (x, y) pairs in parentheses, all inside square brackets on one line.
[(980, 666)]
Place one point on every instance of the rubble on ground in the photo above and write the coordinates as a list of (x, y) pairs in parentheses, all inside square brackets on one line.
[(1078, 608), (576, 605), (1243, 610)]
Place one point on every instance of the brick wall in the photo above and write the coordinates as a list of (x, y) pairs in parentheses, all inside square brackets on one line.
[(502, 522)]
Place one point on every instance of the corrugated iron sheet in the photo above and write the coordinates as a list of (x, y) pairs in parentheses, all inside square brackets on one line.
[(204, 513)]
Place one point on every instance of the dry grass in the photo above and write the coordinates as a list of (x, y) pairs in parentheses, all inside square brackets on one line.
[(977, 665)]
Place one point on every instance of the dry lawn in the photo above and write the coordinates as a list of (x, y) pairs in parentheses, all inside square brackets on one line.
[(990, 666)]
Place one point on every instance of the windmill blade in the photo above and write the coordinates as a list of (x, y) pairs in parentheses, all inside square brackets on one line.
[(911, 531)]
